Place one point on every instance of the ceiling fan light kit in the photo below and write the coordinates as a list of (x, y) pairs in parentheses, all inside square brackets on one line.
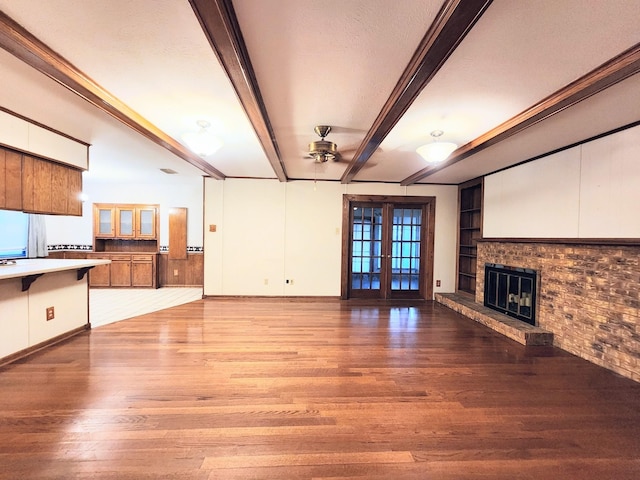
[(436, 152), (323, 150), (203, 142)]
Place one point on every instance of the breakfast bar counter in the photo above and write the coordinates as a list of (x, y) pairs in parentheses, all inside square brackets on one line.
[(42, 301)]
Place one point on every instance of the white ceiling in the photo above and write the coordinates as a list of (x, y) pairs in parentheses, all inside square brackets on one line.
[(330, 62)]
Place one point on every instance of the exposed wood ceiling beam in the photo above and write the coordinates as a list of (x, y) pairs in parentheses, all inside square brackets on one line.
[(23, 45), (606, 75), (453, 22), (220, 25)]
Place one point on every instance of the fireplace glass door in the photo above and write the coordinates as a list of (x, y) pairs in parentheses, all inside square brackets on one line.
[(511, 290)]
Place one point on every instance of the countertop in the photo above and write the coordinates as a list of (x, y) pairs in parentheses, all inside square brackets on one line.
[(36, 266)]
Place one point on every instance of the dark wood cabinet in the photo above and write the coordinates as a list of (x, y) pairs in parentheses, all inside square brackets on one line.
[(469, 232)]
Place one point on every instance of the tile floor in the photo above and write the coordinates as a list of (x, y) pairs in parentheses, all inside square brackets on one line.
[(108, 305)]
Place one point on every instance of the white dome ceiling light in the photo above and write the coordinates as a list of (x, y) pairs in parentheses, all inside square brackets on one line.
[(436, 151), (203, 142)]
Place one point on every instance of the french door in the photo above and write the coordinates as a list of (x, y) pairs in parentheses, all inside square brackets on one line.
[(387, 247)]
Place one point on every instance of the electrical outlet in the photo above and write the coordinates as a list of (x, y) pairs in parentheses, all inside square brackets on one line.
[(266, 281), (291, 282), (437, 283), (50, 313), (175, 272)]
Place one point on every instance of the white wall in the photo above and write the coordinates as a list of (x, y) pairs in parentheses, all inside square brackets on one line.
[(268, 232), (182, 192), (589, 191)]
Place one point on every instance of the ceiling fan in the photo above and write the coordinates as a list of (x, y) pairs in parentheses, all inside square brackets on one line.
[(323, 150)]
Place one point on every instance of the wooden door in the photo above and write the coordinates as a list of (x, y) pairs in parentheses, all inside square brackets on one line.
[(388, 247)]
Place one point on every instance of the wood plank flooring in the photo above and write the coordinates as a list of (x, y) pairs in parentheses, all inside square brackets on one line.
[(296, 389)]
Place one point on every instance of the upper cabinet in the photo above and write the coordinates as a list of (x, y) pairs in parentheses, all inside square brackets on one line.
[(125, 222), (50, 188), (40, 168), (10, 180), (36, 185)]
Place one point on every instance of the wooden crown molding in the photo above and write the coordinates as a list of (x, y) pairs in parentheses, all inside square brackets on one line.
[(220, 25), (606, 75), (451, 25), (26, 47)]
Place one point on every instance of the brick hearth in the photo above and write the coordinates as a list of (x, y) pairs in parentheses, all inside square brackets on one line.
[(588, 296), (516, 330)]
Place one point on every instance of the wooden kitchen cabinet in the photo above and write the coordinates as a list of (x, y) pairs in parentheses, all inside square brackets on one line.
[(10, 180), (127, 222), (36, 185), (100, 275), (143, 270), (104, 222), (50, 188), (120, 271), (127, 234), (125, 270)]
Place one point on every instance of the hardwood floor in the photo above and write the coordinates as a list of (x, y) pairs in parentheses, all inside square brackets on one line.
[(295, 389)]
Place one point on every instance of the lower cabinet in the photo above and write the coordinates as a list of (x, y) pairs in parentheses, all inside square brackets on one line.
[(100, 275), (120, 270), (126, 270), (142, 270)]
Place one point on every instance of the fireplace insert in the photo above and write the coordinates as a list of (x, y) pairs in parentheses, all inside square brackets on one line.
[(511, 290)]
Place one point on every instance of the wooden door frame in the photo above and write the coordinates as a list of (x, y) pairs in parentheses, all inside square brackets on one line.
[(430, 207)]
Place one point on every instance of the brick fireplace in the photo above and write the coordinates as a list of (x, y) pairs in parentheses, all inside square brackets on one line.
[(589, 298)]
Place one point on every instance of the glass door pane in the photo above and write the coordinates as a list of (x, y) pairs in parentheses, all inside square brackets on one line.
[(366, 248), (125, 222), (146, 222), (105, 221), (406, 244)]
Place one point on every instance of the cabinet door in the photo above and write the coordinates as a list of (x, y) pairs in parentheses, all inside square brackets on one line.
[(59, 189), (10, 180), (100, 275), (36, 185), (142, 271), (146, 222), (125, 222), (74, 203), (121, 270), (105, 222)]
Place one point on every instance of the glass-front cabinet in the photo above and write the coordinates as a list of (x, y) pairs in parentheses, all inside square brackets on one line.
[(130, 222), (126, 234), (105, 222), (146, 222), (125, 217)]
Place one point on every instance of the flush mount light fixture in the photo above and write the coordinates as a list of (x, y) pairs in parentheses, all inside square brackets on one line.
[(436, 151), (202, 142)]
